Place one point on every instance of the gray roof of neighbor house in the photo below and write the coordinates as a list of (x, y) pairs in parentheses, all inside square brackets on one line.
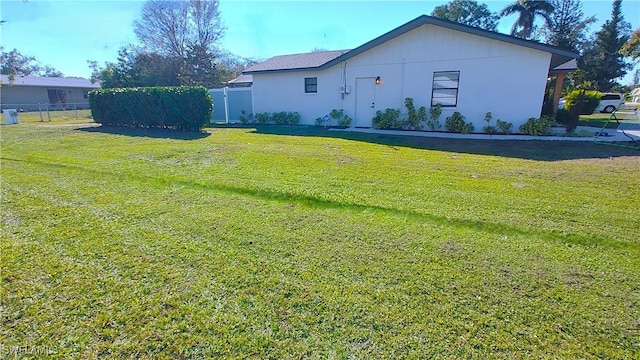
[(49, 82), (316, 61), (242, 79)]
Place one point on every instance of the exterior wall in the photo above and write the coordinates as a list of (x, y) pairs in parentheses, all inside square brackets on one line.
[(506, 79), (28, 97), (285, 92)]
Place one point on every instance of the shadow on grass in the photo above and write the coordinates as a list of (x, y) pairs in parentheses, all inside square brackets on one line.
[(524, 149), (148, 133), (320, 203)]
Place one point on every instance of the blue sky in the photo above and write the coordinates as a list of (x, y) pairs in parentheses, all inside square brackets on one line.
[(65, 34)]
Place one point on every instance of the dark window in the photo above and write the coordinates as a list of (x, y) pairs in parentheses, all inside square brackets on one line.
[(445, 88), (85, 94), (57, 97), (610, 97), (311, 85)]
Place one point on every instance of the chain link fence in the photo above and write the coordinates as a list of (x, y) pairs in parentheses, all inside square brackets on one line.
[(46, 112)]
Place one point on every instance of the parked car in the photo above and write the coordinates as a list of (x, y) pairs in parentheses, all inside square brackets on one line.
[(561, 103), (610, 102)]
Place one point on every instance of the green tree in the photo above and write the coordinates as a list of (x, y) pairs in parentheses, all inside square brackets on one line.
[(135, 67), (185, 34), (229, 66), (15, 64), (602, 62), (632, 47), (567, 26), (172, 28), (467, 12), (527, 11)]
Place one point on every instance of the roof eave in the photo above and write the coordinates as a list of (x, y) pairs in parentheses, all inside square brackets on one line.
[(284, 70)]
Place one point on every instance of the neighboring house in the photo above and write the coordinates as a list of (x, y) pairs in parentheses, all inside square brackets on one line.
[(465, 69), (241, 81), (31, 92), (635, 96)]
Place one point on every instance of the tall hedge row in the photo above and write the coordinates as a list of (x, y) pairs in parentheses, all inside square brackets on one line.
[(180, 108)]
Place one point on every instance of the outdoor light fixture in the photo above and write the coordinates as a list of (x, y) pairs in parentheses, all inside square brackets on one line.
[(377, 80)]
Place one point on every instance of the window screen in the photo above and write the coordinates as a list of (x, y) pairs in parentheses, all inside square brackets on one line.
[(311, 85), (445, 88)]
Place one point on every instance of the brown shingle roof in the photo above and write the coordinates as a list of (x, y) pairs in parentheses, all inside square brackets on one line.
[(314, 61), (296, 61)]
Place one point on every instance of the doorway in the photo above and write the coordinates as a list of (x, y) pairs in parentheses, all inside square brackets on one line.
[(365, 101)]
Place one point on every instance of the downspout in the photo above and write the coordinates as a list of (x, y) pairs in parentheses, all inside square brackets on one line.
[(344, 82)]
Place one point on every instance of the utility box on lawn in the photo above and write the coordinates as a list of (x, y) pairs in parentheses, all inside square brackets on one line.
[(10, 116)]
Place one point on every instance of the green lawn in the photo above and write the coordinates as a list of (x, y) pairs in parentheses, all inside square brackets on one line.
[(302, 243), (601, 119)]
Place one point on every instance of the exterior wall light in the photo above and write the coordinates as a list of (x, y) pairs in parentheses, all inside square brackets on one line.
[(377, 80)]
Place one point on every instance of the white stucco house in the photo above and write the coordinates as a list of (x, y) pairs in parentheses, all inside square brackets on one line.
[(431, 60)]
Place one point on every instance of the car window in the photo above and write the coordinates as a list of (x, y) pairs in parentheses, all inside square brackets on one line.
[(610, 97)]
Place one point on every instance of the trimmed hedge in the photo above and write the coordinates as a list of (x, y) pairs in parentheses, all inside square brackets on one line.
[(181, 108)]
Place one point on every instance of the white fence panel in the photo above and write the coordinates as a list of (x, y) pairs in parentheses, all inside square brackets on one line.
[(229, 103)]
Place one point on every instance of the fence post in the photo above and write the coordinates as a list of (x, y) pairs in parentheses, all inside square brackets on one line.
[(226, 104), (75, 107), (48, 113), (40, 112)]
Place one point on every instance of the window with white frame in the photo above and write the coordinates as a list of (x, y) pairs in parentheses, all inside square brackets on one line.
[(310, 85), (445, 88)]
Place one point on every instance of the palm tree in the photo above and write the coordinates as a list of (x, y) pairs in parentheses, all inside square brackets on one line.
[(527, 11)]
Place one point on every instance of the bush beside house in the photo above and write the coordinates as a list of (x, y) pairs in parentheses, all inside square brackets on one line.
[(179, 108)]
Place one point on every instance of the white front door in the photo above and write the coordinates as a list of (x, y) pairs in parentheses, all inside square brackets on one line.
[(365, 101)]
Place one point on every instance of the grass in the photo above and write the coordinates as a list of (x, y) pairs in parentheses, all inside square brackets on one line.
[(600, 119), (282, 242)]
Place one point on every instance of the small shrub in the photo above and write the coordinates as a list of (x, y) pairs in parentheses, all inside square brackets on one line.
[(415, 118), (263, 118), (434, 115), (537, 127), (279, 118), (244, 118), (293, 118), (389, 119), (467, 128), (585, 100), (488, 117), (456, 124), (490, 129), (504, 126), (345, 121), (341, 119), (422, 116)]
